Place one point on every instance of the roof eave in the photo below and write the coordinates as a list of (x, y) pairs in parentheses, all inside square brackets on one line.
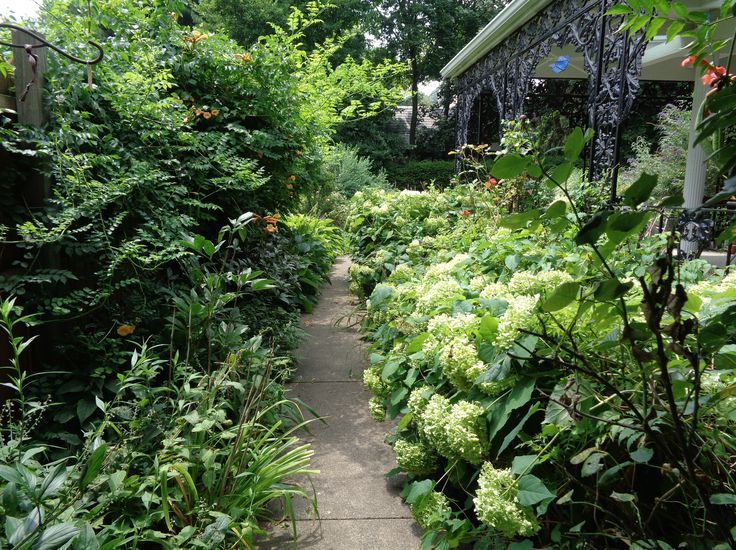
[(513, 16)]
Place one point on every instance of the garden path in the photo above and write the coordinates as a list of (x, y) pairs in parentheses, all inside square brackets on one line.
[(358, 506)]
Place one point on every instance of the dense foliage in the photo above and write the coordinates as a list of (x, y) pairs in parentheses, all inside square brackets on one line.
[(558, 378), (150, 301)]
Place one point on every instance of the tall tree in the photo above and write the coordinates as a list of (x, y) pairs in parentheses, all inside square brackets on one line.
[(246, 20), (427, 34)]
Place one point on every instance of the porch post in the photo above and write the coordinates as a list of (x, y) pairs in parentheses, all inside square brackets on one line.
[(695, 173)]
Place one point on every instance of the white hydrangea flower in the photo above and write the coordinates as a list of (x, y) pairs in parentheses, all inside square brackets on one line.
[(716, 295), (374, 383), (418, 400), (416, 458), (526, 282), (518, 315), (431, 511), (496, 504), (444, 292), (455, 431), (377, 409), (401, 273), (446, 326), (460, 363), (479, 282), (466, 432), (495, 290)]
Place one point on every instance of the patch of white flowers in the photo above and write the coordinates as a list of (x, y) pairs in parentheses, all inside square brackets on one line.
[(519, 314), (431, 511), (456, 431), (496, 504), (441, 293), (460, 363), (415, 457), (377, 409)]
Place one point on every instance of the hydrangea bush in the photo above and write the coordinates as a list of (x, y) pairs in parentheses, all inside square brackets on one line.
[(519, 356)]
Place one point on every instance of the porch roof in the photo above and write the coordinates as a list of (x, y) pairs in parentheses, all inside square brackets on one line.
[(661, 60)]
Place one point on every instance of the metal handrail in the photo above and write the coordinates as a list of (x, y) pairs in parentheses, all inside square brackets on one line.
[(46, 44)]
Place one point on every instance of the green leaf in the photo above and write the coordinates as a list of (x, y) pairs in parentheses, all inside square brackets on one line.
[(623, 497), (626, 223), (723, 499), (516, 429), (642, 455), (380, 294), (56, 536), (727, 236), (488, 327), (389, 369), (532, 490), (520, 219), (674, 30), (620, 9), (593, 229), (416, 343), (567, 497), (93, 466), (611, 289), (509, 166), (405, 421), (523, 464), (555, 210), (418, 489), (582, 455), (562, 296), (85, 408), (640, 190), (574, 144), (672, 201), (592, 464)]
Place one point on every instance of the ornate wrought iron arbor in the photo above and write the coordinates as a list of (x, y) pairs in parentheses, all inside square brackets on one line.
[(612, 61)]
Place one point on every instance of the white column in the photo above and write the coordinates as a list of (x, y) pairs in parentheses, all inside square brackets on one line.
[(695, 172)]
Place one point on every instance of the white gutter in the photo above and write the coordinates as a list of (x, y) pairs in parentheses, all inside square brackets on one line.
[(506, 22)]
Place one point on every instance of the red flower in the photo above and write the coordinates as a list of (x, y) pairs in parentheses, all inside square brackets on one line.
[(465, 213), (491, 183)]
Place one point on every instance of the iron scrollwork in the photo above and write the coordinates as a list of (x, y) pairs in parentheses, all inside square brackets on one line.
[(696, 230), (612, 61)]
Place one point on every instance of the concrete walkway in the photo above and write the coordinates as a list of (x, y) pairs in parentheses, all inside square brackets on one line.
[(358, 506)]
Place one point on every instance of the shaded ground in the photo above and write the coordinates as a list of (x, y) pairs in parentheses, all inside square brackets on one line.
[(358, 506)]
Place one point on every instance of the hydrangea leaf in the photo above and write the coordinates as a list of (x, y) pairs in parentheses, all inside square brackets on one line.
[(532, 490)]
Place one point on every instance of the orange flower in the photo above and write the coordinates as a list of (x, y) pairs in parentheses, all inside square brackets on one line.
[(244, 57), (270, 228), (465, 213), (690, 61), (273, 219), (289, 186), (196, 37), (292, 178), (126, 330), (215, 112), (206, 115), (713, 75), (491, 183)]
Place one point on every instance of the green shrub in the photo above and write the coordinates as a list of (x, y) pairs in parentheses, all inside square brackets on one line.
[(418, 174)]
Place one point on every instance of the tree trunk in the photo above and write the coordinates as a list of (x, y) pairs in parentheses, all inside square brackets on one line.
[(414, 98)]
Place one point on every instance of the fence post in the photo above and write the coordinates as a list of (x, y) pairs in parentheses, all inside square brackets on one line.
[(31, 110)]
